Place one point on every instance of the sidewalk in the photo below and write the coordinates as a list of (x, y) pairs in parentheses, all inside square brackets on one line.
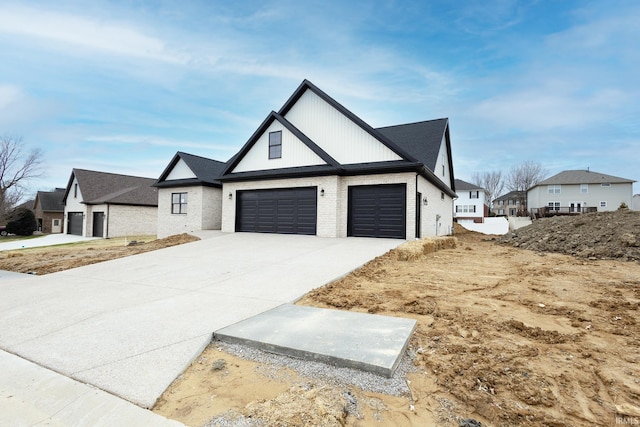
[(34, 396)]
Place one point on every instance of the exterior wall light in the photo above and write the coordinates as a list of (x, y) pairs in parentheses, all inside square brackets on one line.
[(322, 192), (425, 201), (230, 196)]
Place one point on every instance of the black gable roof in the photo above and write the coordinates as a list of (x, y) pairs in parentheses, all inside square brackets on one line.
[(207, 171), (51, 201), (421, 140)]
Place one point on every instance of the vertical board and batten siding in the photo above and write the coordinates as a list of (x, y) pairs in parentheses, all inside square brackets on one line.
[(443, 159), (204, 210), (180, 171), (294, 153), (335, 133), (73, 204)]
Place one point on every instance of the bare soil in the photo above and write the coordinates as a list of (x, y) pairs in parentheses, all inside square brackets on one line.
[(51, 259), (505, 337)]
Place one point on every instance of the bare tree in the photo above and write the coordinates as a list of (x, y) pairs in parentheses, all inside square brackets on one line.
[(490, 181), (523, 177), (16, 169)]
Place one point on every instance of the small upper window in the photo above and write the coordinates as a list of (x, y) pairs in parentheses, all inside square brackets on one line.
[(584, 188), (603, 204), (275, 145), (441, 195), (605, 184), (474, 194), (553, 189), (75, 191)]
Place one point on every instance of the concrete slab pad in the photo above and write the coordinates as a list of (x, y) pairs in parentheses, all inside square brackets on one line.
[(342, 338)]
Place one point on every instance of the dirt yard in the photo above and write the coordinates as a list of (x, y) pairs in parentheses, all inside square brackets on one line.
[(505, 337), (50, 259)]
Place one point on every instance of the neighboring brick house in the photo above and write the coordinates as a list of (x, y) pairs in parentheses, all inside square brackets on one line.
[(103, 204), (514, 203), (472, 203), (579, 191), (49, 210), (316, 168), (189, 195)]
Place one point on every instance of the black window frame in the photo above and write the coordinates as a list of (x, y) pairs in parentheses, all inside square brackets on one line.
[(275, 145), (180, 205)]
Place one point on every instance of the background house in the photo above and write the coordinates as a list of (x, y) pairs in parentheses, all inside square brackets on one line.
[(514, 203), (189, 195), (472, 203), (635, 202), (314, 167), (102, 204), (577, 191), (49, 210)]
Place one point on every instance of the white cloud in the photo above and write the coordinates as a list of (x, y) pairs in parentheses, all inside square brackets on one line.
[(8, 95), (84, 32), (156, 141)]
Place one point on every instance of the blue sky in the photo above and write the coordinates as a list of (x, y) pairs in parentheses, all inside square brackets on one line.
[(120, 86)]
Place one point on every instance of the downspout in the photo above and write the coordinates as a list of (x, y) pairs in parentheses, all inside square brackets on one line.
[(106, 231)]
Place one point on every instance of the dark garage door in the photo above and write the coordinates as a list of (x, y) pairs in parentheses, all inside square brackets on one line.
[(283, 210), (377, 211), (74, 224)]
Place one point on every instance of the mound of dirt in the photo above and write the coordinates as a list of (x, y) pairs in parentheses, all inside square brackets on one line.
[(598, 235)]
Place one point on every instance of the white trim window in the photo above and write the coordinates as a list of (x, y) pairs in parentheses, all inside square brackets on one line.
[(465, 208), (554, 189), (605, 184), (584, 188), (603, 204), (554, 206)]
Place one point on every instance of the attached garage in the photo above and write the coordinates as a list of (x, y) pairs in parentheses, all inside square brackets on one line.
[(377, 211), (282, 210), (74, 225)]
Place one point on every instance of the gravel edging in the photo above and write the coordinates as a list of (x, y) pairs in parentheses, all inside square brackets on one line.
[(336, 376)]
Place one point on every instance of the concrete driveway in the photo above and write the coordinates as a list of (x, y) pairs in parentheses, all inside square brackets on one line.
[(45, 240), (131, 326)]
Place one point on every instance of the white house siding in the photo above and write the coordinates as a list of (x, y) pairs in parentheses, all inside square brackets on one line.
[(329, 128), (441, 172), (73, 204), (464, 199), (204, 210), (124, 220), (613, 195), (437, 214), (294, 153), (180, 171)]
